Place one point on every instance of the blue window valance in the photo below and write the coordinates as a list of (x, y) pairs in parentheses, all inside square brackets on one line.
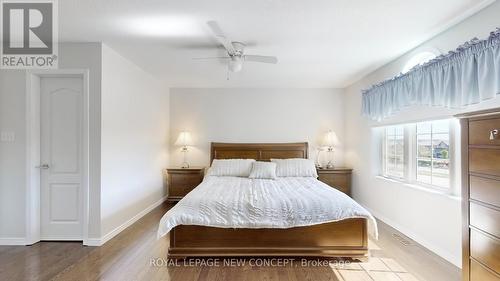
[(466, 76)]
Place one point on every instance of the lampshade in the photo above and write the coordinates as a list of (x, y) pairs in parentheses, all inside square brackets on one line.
[(331, 139), (184, 139)]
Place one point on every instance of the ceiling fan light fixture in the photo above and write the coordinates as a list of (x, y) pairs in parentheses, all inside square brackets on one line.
[(236, 64)]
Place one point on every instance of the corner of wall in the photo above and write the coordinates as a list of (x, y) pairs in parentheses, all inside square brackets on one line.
[(144, 141)]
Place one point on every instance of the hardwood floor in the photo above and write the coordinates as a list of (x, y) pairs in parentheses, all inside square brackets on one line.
[(135, 254)]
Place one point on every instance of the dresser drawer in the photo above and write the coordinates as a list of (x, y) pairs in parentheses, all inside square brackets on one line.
[(182, 181), (485, 249), (180, 189), (484, 161), (339, 181), (484, 218), (480, 273), (485, 190), (479, 131), (185, 179)]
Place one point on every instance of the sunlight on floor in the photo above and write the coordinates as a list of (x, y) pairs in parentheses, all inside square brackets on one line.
[(376, 268), (385, 269)]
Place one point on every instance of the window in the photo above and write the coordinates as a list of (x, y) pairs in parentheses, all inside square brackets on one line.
[(418, 59), (394, 143), (433, 153), (420, 153)]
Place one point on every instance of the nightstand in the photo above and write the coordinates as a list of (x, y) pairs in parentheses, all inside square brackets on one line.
[(339, 178), (181, 181)]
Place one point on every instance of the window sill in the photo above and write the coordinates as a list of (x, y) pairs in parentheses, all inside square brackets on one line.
[(421, 188)]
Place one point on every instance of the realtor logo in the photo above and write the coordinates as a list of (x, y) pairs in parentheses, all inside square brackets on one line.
[(28, 34)]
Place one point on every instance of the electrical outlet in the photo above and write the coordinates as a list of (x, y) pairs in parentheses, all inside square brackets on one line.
[(7, 136)]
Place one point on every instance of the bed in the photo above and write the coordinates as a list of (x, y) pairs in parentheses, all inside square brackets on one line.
[(199, 227)]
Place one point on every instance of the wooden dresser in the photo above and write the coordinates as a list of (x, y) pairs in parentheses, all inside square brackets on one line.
[(481, 195), (182, 180), (339, 178)]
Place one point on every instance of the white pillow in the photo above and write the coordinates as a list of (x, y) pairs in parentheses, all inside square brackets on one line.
[(231, 167), (295, 167), (263, 170)]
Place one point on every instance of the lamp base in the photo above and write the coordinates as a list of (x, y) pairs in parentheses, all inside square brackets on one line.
[(184, 151), (329, 165)]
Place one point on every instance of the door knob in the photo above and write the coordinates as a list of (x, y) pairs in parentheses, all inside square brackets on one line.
[(493, 134), (43, 166)]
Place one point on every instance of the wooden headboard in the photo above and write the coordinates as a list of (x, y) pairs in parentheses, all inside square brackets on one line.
[(258, 151)]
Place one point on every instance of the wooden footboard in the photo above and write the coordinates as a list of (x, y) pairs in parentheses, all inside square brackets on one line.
[(346, 238)]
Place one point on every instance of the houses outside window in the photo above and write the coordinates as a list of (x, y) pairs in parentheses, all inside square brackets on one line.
[(433, 153)]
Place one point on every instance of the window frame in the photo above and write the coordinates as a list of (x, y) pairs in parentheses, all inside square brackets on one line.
[(451, 158), (410, 157), (384, 154)]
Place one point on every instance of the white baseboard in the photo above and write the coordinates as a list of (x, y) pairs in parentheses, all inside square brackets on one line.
[(116, 231), (13, 241), (455, 260), (92, 242)]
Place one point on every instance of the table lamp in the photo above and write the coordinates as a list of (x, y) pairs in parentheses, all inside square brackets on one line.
[(330, 142), (184, 140)]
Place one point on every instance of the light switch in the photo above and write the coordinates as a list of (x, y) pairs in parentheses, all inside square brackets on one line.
[(7, 136)]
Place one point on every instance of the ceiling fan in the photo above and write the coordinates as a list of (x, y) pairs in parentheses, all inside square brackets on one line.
[(235, 51)]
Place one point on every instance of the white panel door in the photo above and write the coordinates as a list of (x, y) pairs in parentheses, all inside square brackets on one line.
[(61, 158)]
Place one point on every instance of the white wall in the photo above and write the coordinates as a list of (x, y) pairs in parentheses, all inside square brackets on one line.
[(13, 155), (254, 115), (134, 136), (433, 220)]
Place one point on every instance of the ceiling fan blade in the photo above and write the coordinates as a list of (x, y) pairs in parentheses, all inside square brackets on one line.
[(264, 59), (211, 58), (219, 34)]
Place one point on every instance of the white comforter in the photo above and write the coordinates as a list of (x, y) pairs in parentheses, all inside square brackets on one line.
[(234, 202)]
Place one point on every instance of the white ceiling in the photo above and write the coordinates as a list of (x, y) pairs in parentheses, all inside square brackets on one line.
[(326, 43)]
